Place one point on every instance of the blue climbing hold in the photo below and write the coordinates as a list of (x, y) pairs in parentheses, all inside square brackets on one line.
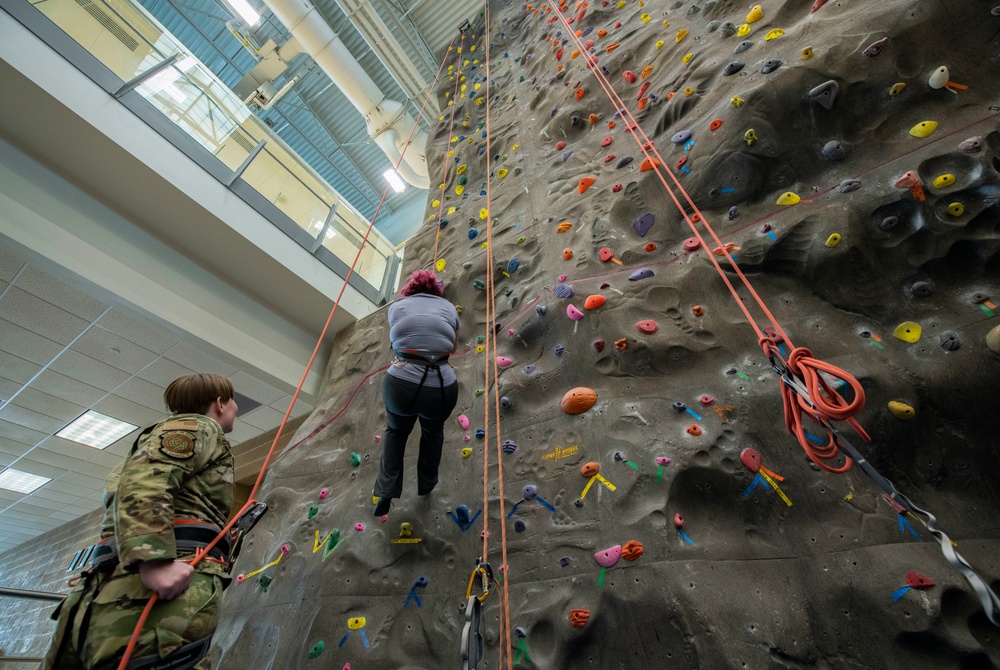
[(473, 233), (643, 224), (642, 273), (513, 265), (563, 291)]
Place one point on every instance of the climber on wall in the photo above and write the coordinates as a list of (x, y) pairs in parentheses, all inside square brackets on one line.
[(167, 500), (423, 330)]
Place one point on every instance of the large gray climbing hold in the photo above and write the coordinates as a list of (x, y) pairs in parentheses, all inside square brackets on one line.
[(733, 67), (973, 145), (834, 151), (770, 65), (949, 341), (849, 185), (825, 93), (643, 224), (727, 30), (742, 46), (889, 222), (709, 6), (693, 9), (712, 26), (922, 289)]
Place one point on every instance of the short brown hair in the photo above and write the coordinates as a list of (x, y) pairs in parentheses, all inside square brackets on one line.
[(193, 394)]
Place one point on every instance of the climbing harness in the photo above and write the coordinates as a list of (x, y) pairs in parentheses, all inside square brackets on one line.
[(428, 361), (182, 658), (803, 389), (472, 639)]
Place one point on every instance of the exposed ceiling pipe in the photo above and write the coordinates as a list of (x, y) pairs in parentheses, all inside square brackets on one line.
[(387, 121)]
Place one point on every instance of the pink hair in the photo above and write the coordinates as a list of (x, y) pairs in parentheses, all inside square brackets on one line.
[(423, 281)]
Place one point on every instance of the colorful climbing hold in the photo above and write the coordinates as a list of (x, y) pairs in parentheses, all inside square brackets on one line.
[(944, 181), (756, 14), (807, 53), (693, 429), (573, 313), (648, 326), (590, 469), (594, 301), (901, 410), (774, 34), (788, 198), (578, 618), (833, 240), (578, 400), (648, 163), (956, 209), (908, 331), (924, 128), (567, 254), (563, 227), (585, 183), (715, 125)]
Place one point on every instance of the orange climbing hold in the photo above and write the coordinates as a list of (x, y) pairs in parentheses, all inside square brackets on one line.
[(715, 125), (611, 47), (590, 469), (578, 400), (580, 92), (574, 54), (693, 429), (585, 183), (632, 550), (649, 163), (697, 310), (563, 227), (642, 103), (650, 247), (594, 301), (645, 71), (579, 618), (602, 33), (567, 254), (621, 345), (593, 118), (611, 124)]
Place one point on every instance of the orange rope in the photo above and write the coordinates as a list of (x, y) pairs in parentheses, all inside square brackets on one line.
[(451, 126), (826, 404), (199, 555)]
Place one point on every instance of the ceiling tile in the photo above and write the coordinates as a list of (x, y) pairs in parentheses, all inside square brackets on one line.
[(82, 507), (17, 369), (15, 413), (136, 330), (25, 344), (144, 393), (105, 346), (18, 433), (126, 410), (60, 294), (265, 418), (8, 497), (36, 464), (10, 263), (163, 371), (38, 316), (85, 481), (63, 486), (197, 360), (8, 388), (75, 457), (67, 388), (12, 449), (122, 446), (25, 507), (242, 432), (46, 496), (43, 403), (89, 371), (255, 389), (65, 516)]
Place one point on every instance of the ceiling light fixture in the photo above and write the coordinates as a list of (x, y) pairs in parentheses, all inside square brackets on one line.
[(394, 180), (96, 430), (245, 11), (22, 482)]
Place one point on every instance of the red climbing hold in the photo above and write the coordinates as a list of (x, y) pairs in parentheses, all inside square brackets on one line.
[(691, 244), (618, 24), (648, 164), (598, 344), (915, 580), (606, 254), (679, 164), (706, 400), (751, 460), (585, 183), (678, 521), (648, 327), (817, 5), (715, 125), (580, 93), (606, 141), (628, 74), (642, 90), (650, 247), (616, 188), (609, 158), (559, 53), (560, 146), (693, 429)]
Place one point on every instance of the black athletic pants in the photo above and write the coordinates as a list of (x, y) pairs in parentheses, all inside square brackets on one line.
[(405, 402)]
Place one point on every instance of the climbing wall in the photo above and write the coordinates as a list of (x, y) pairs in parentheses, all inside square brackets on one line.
[(659, 514)]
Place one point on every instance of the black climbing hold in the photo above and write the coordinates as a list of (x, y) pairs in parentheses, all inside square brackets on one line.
[(623, 161), (979, 298), (949, 341), (889, 222), (505, 402), (679, 407), (565, 561), (560, 349), (770, 65), (519, 526), (865, 334), (574, 120), (733, 213), (834, 151), (541, 310), (733, 67), (714, 193), (743, 46), (825, 94), (849, 185), (619, 457), (579, 502)]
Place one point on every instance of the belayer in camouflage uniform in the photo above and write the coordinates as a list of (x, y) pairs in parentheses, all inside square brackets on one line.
[(173, 492)]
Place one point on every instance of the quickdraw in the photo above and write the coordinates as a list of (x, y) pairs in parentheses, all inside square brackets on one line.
[(472, 639)]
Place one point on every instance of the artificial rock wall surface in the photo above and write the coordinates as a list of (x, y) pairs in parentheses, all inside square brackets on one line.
[(752, 582)]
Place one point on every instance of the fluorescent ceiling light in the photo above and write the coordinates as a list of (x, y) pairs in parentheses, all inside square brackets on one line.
[(96, 430), (245, 11), (22, 482), (394, 180)]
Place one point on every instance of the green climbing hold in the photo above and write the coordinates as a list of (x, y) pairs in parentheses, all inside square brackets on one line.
[(355, 459), (508, 292), (522, 239), (331, 542), (521, 79), (317, 649), (313, 511), (463, 180), (480, 392), (503, 158), (264, 581), (479, 285), (480, 339)]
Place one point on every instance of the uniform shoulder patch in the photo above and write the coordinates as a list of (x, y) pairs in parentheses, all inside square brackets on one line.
[(177, 444), (182, 424)]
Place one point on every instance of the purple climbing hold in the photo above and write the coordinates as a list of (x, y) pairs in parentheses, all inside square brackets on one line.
[(541, 310), (875, 48), (642, 273), (623, 161), (643, 224), (552, 112), (509, 446), (566, 155), (506, 402), (681, 137), (560, 348), (520, 632), (679, 406), (528, 369), (563, 291), (520, 526), (529, 492), (973, 145), (733, 213)]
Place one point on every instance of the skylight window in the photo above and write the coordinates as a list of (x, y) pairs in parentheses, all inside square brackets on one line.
[(96, 430), (22, 482), (394, 180), (245, 11)]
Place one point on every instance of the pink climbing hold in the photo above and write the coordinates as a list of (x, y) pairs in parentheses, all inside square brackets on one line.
[(466, 438), (691, 244), (378, 438), (630, 76), (562, 278), (463, 421), (678, 521), (324, 493), (510, 332), (662, 460), (609, 557), (706, 400), (648, 327), (606, 254), (642, 90), (589, 43), (359, 527), (573, 313), (504, 362), (751, 460)]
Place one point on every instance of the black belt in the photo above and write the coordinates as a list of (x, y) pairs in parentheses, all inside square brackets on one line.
[(188, 538), (181, 658)]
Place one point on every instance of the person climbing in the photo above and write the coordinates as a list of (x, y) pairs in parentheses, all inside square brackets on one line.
[(423, 330), (169, 498)]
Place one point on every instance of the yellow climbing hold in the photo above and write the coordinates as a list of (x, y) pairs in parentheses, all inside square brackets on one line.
[(788, 198), (459, 190), (454, 139), (896, 89), (901, 410), (515, 147), (466, 452), (736, 101), (689, 91), (659, 44), (687, 58), (440, 264), (924, 128), (956, 209), (502, 172), (479, 103), (356, 623), (484, 213), (681, 34), (908, 331), (774, 34), (666, 24), (621, 3), (807, 53), (743, 30), (756, 14), (480, 349), (750, 136), (944, 181), (461, 168), (833, 240), (452, 209), (646, 18)]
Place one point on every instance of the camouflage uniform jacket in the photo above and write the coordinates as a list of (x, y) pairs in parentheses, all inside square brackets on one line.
[(181, 469)]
